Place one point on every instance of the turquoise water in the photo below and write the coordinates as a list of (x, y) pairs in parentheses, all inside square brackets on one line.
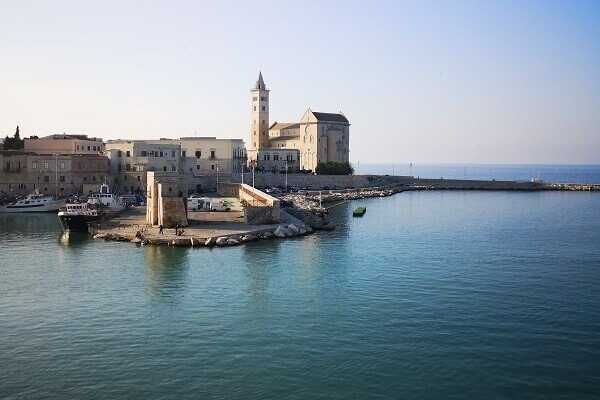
[(429, 295)]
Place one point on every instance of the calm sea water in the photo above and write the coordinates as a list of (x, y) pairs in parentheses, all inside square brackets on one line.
[(430, 295), (514, 172)]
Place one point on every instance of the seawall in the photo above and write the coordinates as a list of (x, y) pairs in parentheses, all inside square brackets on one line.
[(337, 182)]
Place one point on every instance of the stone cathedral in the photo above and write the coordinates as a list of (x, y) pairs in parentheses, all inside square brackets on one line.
[(317, 137)]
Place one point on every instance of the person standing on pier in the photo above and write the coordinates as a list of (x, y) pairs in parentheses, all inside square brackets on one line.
[(160, 230)]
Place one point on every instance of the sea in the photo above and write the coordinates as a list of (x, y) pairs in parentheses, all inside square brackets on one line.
[(433, 294), (559, 173)]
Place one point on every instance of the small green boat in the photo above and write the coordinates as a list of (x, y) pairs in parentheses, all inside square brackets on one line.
[(359, 212)]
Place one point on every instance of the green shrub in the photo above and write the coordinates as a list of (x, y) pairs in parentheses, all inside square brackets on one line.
[(334, 168)]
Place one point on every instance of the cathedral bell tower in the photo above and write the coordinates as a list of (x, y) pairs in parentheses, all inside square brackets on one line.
[(259, 128)]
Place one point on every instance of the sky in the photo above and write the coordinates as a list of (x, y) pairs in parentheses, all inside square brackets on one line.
[(437, 82)]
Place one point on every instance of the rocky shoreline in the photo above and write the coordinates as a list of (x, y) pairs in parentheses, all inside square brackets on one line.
[(141, 238), (302, 208)]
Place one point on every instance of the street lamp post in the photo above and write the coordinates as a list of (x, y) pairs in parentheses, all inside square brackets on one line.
[(56, 175), (286, 172), (217, 178)]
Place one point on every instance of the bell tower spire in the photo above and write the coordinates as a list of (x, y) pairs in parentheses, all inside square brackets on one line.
[(259, 103)]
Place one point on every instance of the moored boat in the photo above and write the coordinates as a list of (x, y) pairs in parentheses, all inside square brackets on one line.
[(359, 212), (107, 202), (34, 202), (75, 217)]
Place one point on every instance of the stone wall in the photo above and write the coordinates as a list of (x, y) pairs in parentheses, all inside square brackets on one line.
[(172, 212), (320, 182), (260, 208), (166, 196)]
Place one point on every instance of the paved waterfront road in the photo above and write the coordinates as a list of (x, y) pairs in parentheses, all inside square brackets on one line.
[(430, 295)]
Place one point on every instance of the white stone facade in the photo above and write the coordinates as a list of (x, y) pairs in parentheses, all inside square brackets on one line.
[(318, 137)]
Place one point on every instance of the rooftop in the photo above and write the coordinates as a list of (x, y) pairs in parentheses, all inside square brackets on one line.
[(64, 136), (330, 117)]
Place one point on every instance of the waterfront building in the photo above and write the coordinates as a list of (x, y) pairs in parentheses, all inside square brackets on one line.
[(278, 159), (196, 158), (317, 137), (57, 174), (206, 155), (64, 144), (131, 159)]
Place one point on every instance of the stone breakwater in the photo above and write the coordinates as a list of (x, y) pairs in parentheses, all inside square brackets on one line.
[(143, 238)]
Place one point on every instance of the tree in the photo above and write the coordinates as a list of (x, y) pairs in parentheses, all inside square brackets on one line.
[(334, 168), (14, 143)]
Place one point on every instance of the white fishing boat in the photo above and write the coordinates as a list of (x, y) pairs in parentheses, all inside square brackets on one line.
[(106, 201), (34, 202), (76, 216)]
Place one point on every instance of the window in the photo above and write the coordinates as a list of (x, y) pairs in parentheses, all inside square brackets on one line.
[(212, 166), (128, 167), (263, 121), (263, 98), (34, 165), (88, 148), (46, 178), (264, 108), (161, 154), (128, 153), (198, 153), (267, 157), (62, 165), (173, 168), (183, 153), (94, 148), (45, 164), (119, 153), (165, 168), (62, 178), (276, 157), (254, 108), (85, 178), (144, 153), (198, 166), (173, 154), (212, 154), (77, 147), (139, 178)]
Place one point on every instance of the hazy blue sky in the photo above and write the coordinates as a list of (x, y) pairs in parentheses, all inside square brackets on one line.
[(455, 81)]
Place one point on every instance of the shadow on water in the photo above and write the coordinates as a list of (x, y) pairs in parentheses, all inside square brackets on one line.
[(29, 223), (165, 270)]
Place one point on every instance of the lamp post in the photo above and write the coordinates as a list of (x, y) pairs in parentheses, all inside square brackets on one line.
[(253, 164), (286, 171), (56, 175), (217, 177)]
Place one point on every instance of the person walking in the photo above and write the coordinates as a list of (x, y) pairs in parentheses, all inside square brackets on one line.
[(160, 230)]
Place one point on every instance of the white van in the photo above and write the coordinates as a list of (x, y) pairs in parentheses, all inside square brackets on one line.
[(207, 204)]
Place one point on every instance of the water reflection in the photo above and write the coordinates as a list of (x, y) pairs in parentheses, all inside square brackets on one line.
[(35, 223), (73, 239), (258, 257), (165, 271)]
